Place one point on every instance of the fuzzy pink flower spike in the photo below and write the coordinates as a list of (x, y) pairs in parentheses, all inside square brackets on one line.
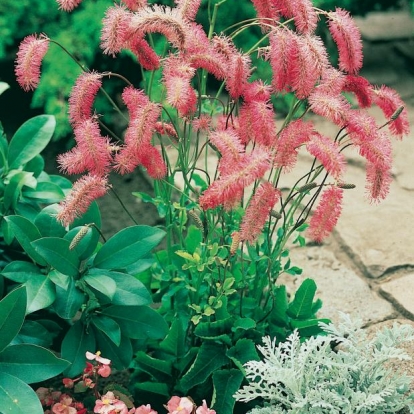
[(326, 214), (68, 5), (188, 8), (135, 5), (29, 58)]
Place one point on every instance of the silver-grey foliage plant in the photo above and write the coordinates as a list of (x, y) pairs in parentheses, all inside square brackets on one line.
[(311, 377)]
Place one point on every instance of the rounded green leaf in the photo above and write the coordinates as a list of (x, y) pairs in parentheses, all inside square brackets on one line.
[(128, 246), (56, 253), (35, 165), (301, 305), (25, 232), (68, 301), (45, 192), (20, 272), (40, 293), (109, 327), (47, 224), (12, 313), (13, 189), (138, 322), (30, 139), (16, 397), (31, 363), (101, 283)]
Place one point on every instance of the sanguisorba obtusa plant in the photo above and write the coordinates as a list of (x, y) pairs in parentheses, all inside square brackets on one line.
[(209, 137)]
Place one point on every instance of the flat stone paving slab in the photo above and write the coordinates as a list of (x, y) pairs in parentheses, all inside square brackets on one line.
[(339, 287), (400, 290)]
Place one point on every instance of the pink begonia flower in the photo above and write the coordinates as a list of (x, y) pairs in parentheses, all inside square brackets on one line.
[(68, 382), (180, 405), (104, 371), (97, 357), (109, 404), (47, 397), (203, 409), (64, 406), (143, 409)]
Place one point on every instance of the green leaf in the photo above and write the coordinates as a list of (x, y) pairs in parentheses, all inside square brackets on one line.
[(128, 246), (16, 396), (244, 323), (45, 192), (33, 332), (12, 313), (68, 301), (138, 322), (301, 306), (25, 232), (244, 351), (40, 293), (92, 215), (309, 327), (35, 165), (56, 252), (226, 383), (215, 331), (193, 239), (101, 283), (87, 245), (59, 279), (279, 315), (20, 272), (174, 342), (13, 189), (30, 139), (74, 347), (120, 356), (3, 87), (210, 358), (31, 363), (47, 224), (129, 290), (159, 369), (160, 388), (109, 327)]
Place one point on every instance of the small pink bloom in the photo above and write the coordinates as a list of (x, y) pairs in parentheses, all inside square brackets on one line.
[(68, 382), (47, 396), (97, 357), (104, 371), (28, 60), (109, 404), (203, 409), (68, 5), (88, 383), (202, 123), (144, 409), (64, 406), (177, 405)]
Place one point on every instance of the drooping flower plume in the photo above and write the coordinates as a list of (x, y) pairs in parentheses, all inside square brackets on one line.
[(68, 5), (29, 59)]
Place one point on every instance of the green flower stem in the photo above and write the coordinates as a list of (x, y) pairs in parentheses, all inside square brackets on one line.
[(123, 206)]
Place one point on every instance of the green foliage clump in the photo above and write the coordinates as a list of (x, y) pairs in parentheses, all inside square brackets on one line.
[(311, 377)]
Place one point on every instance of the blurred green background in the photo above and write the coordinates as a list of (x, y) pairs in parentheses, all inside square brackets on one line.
[(79, 32)]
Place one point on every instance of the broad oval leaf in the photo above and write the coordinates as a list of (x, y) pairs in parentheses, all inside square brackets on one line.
[(47, 224), (25, 232), (301, 306), (68, 301), (109, 327), (16, 396), (40, 293), (138, 322), (128, 246), (12, 313), (101, 283), (56, 253), (33, 332), (31, 363), (45, 192), (30, 139), (59, 279), (20, 271), (74, 347), (226, 383), (13, 190)]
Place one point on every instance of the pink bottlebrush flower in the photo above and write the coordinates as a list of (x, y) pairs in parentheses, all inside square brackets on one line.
[(135, 5), (84, 192), (332, 82), (378, 182), (285, 8), (97, 357), (134, 99), (258, 211), (181, 95), (281, 47), (146, 56), (238, 75), (210, 61), (309, 59), (304, 15), (109, 404), (249, 168), (295, 134), (326, 214), (151, 159), (224, 121), (377, 151), (95, 150), (361, 88), (68, 5), (180, 405), (202, 123), (328, 153), (188, 8), (361, 127), (64, 406), (83, 95), (115, 29), (257, 123), (203, 409), (229, 145), (224, 46), (126, 160), (334, 108), (347, 37), (165, 128), (390, 101), (161, 19), (144, 409), (257, 91), (266, 12), (197, 40), (72, 162), (29, 58)]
